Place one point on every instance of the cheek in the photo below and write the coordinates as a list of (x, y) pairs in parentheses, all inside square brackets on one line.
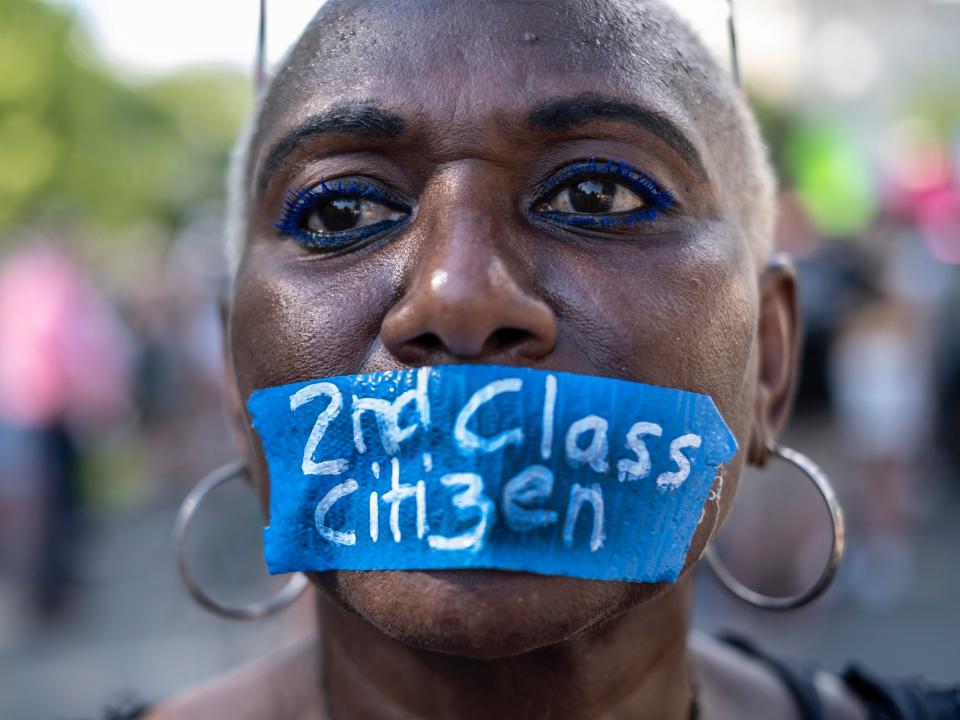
[(298, 319), (302, 319), (683, 318)]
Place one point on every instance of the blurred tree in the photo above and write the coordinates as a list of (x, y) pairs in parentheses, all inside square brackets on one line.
[(96, 155)]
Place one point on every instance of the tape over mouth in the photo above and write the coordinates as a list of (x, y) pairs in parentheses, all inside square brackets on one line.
[(486, 466)]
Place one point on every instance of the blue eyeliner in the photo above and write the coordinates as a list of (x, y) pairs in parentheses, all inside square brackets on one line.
[(299, 203), (659, 200)]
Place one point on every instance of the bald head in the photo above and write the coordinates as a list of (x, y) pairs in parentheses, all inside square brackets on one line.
[(447, 58)]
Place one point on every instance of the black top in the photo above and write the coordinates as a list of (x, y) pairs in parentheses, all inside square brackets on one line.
[(883, 699)]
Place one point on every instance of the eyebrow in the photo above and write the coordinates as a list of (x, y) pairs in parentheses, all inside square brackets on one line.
[(368, 120), (361, 119), (561, 114)]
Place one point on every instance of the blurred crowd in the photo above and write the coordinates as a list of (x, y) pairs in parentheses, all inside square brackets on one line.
[(107, 400), (882, 357)]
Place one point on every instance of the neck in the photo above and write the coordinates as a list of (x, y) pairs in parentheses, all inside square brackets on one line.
[(634, 666)]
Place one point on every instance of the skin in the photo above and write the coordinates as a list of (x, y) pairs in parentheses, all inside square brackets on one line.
[(689, 301)]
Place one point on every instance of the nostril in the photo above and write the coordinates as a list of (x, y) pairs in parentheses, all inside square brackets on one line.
[(428, 342), (508, 337)]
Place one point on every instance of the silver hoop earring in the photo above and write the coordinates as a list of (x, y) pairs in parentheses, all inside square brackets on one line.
[(254, 611), (767, 602)]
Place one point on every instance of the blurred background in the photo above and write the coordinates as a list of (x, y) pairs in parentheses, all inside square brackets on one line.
[(116, 119)]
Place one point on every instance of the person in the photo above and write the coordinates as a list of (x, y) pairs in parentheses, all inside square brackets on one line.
[(51, 406), (424, 136)]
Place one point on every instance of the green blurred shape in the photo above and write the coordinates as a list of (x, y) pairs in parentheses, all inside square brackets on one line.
[(832, 179), (28, 155), (31, 36)]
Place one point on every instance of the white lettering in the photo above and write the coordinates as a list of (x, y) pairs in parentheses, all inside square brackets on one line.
[(337, 537), (422, 526), (469, 440), (397, 494), (374, 516), (549, 405), (630, 470), (388, 413), (529, 486), (676, 479), (381, 410), (421, 395), (304, 395), (595, 454), (471, 497), (578, 496)]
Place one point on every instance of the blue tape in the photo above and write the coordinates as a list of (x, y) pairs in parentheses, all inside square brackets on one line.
[(509, 468)]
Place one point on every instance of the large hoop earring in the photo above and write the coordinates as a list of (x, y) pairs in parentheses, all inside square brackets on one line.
[(768, 602), (255, 611)]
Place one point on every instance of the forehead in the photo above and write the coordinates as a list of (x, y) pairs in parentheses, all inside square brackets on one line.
[(456, 65)]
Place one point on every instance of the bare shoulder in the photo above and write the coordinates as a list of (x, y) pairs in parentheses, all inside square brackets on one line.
[(838, 702), (282, 685), (730, 683)]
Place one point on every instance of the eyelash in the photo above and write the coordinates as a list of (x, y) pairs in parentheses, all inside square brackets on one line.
[(298, 203), (660, 200)]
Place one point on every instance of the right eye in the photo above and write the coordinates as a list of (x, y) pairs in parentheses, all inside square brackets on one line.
[(594, 195), (339, 214), (602, 195)]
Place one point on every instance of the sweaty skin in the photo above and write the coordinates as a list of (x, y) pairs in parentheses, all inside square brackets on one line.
[(462, 109)]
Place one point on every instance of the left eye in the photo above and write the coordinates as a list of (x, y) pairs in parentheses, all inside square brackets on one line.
[(594, 196), (342, 214)]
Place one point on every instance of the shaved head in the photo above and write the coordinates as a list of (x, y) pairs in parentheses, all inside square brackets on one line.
[(642, 44)]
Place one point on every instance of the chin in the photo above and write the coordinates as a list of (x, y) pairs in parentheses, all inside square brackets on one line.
[(481, 614)]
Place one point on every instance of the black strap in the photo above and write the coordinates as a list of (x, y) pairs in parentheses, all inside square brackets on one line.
[(910, 700), (884, 700)]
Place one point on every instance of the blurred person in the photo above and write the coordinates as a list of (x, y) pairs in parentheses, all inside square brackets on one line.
[(426, 185), (881, 380), (178, 380), (948, 382), (833, 283), (64, 371), (173, 396), (929, 288), (922, 219)]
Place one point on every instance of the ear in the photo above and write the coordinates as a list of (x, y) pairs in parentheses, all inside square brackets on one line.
[(778, 351), (236, 415)]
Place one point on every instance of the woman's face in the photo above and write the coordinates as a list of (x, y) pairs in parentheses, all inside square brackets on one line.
[(532, 185)]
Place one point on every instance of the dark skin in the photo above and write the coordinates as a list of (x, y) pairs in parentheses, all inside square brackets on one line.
[(462, 110)]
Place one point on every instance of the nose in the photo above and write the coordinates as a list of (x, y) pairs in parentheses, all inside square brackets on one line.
[(468, 298)]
